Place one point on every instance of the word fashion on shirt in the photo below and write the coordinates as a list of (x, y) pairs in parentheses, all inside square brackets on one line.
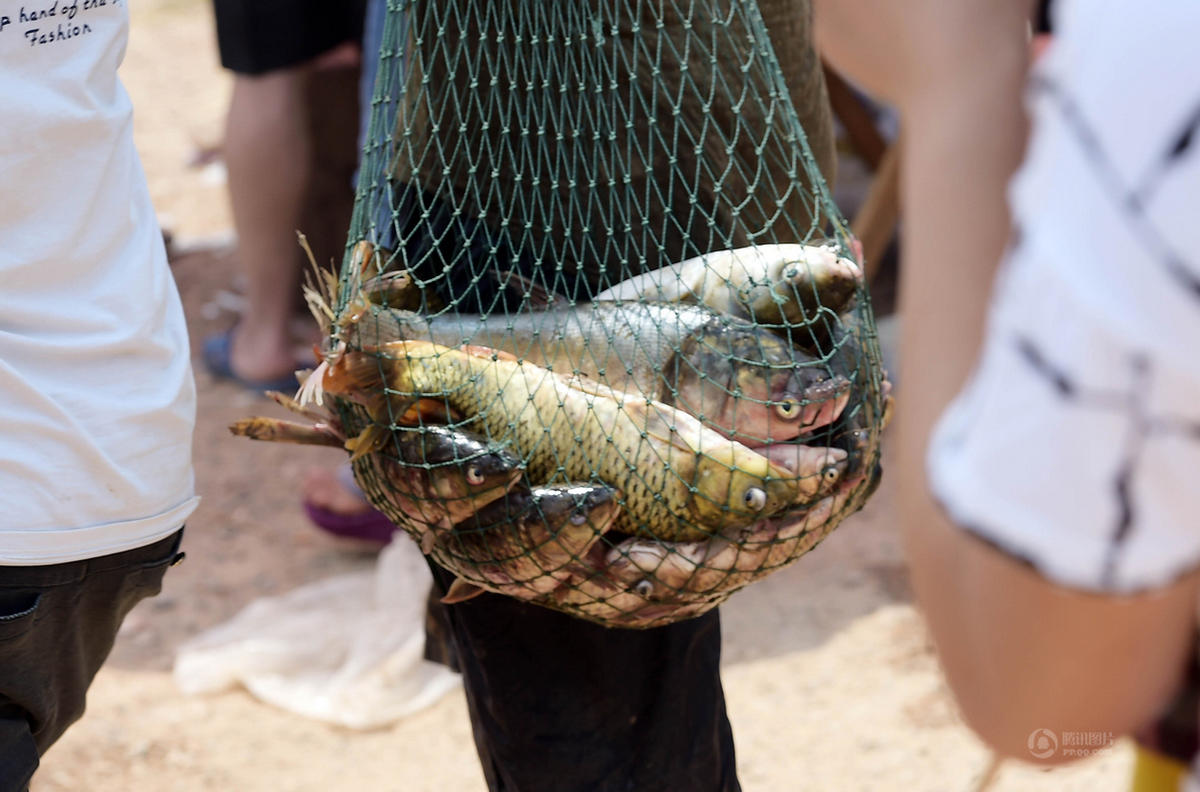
[(50, 33)]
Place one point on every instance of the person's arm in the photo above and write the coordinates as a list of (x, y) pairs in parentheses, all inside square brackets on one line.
[(1020, 653)]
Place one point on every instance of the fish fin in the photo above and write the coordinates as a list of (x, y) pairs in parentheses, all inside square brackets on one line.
[(539, 297), (559, 595), (355, 311), (426, 411), (361, 256), (279, 431), (489, 353), (373, 438), (319, 289), (255, 428), (590, 386), (312, 390), (428, 542), (318, 307), (288, 403), (889, 406), (354, 371), (461, 591)]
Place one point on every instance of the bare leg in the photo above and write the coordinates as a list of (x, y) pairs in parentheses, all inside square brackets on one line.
[(267, 150)]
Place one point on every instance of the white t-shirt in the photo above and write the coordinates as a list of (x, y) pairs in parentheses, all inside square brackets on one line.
[(1076, 444), (97, 403)]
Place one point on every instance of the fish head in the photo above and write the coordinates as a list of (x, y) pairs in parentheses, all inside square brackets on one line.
[(822, 279), (814, 470), (545, 530), (736, 486), (652, 581), (573, 514), (461, 466), (800, 281), (645, 570), (753, 386)]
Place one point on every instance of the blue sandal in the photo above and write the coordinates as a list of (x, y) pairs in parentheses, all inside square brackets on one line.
[(218, 359)]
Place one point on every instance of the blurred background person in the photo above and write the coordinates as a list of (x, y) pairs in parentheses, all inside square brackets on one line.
[(331, 498), (1049, 515), (272, 47), (276, 51)]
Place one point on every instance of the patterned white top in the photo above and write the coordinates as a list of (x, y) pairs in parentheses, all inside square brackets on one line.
[(1076, 444)]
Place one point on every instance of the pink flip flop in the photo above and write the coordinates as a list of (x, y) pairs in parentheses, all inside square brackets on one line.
[(368, 526)]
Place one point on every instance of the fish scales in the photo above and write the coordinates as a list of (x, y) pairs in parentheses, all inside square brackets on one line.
[(677, 478), (624, 345), (529, 543), (742, 380)]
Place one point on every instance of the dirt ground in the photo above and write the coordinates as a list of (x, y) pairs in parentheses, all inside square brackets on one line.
[(831, 683)]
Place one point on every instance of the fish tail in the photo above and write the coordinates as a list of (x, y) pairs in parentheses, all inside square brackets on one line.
[(368, 441), (364, 379), (355, 372), (279, 431)]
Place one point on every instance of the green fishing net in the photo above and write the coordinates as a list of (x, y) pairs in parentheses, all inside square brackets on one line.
[(707, 423)]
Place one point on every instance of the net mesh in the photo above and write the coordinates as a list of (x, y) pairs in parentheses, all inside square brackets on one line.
[(598, 340)]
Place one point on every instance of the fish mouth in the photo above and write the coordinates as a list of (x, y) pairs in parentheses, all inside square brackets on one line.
[(788, 457), (828, 389), (814, 416)]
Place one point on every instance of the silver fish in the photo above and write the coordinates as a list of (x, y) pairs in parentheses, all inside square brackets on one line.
[(739, 379)]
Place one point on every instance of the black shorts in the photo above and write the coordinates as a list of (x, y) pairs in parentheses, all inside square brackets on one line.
[(57, 625), (257, 36)]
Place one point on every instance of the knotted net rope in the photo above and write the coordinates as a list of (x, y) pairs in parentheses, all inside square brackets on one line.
[(705, 424)]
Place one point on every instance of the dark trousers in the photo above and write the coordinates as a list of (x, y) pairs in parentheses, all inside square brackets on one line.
[(558, 704), (57, 625)]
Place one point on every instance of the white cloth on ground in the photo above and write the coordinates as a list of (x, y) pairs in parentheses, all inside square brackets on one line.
[(347, 650)]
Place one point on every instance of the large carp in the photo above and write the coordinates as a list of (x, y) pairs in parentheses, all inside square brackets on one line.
[(679, 479), (739, 379)]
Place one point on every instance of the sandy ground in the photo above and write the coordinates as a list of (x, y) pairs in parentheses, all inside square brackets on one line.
[(830, 680)]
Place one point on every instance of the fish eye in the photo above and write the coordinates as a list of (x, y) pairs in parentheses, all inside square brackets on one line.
[(755, 499), (831, 474), (474, 475), (787, 409), (644, 588), (578, 518)]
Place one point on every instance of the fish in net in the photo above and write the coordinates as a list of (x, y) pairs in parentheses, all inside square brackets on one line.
[(600, 340)]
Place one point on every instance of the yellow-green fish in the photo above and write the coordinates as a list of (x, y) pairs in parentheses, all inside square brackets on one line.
[(679, 479), (740, 379)]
